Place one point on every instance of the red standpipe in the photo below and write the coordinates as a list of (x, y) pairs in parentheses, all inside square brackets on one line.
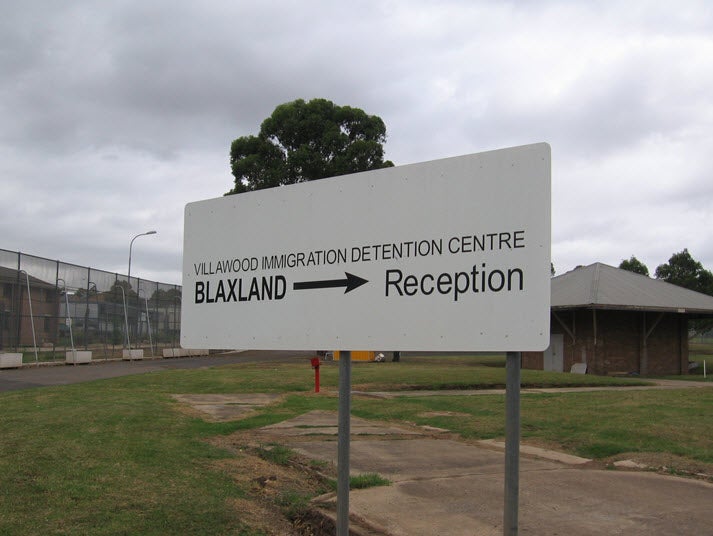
[(315, 366)]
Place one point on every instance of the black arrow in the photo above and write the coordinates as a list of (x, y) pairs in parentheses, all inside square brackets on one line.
[(351, 282)]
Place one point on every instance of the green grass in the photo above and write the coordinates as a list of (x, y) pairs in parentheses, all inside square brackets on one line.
[(363, 481), (596, 425), (117, 457), (367, 480), (276, 454), (94, 459), (412, 373), (454, 372), (293, 503), (695, 375), (701, 346)]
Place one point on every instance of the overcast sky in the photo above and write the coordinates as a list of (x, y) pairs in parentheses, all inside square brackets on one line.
[(115, 114)]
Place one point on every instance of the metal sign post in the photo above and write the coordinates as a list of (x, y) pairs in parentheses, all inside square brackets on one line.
[(512, 443), (343, 439)]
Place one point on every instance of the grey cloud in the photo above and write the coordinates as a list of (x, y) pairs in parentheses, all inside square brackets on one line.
[(124, 111)]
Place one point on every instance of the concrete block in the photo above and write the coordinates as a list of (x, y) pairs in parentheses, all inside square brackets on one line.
[(579, 368), (78, 356), (132, 354), (10, 360), (183, 352), (191, 352)]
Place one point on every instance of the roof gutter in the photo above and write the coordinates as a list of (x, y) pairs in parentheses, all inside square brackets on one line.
[(705, 313)]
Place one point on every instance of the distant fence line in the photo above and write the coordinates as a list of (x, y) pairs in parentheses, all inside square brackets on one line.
[(41, 299)]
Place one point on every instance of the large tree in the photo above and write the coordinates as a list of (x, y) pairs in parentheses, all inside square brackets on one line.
[(683, 270), (634, 265), (303, 141)]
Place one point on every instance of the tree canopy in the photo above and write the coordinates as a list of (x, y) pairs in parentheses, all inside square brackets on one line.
[(168, 297), (634, 265), (303, 141), (683, 270)]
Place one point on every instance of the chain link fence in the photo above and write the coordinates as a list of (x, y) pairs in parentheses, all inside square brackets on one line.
[(49, 307)]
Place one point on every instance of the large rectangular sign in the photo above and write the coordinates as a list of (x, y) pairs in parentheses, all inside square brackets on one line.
[(450, 255)]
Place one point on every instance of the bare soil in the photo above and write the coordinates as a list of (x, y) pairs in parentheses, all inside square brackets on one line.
[(277, 503), (664, 463)]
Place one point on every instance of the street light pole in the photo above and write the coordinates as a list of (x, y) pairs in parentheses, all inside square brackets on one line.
[(128, 276), (131, 244)]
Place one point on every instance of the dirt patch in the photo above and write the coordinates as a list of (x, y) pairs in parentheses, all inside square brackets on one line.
[(296, 498), (663, 463), (278, 494), (263, 518), (225, 407)]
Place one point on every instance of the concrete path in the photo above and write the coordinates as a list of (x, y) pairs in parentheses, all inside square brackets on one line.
[(445, 487)]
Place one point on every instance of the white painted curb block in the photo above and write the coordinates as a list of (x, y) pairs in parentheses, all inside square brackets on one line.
[(132, 354), (183, 352), (78, 356), (12, 360)]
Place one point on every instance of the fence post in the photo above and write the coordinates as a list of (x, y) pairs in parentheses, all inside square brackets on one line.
[(173, 322), (156, 318), (86, 311), (17, 304)]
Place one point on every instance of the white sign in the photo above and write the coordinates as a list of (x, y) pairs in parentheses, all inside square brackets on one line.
[(449, 255)]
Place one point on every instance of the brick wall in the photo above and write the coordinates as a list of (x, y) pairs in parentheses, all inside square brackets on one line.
[(616, 344)]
